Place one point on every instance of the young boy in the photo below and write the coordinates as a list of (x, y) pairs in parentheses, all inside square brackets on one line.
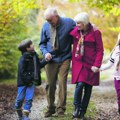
[(28, 76)]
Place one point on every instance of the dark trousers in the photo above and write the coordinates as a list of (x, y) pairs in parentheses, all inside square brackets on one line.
[(81, 98)]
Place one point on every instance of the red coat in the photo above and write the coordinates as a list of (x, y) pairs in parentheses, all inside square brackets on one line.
[(93, 54)]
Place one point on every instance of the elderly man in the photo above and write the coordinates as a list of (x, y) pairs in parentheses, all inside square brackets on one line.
[(55, 45)]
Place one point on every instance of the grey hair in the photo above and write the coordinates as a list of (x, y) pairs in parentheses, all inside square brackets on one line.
[(82, 17), (50, 12)]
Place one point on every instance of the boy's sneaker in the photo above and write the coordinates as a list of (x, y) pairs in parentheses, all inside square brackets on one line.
[(26, 115), (21, 118), (25, 118), (20, 115)]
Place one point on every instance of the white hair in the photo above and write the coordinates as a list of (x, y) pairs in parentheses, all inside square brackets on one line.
[(82, 17), (50, 12)]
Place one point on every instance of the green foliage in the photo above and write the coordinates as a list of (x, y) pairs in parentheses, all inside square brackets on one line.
[(21, 19), (106, 15), (109, 6), (6, 81), (116, 29), (74, 0), (13, 17)]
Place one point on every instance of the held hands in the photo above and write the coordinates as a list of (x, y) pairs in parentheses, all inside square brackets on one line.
[(95, 69), (48, 56)]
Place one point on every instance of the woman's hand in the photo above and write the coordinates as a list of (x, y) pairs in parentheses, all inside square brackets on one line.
[(95, 69)]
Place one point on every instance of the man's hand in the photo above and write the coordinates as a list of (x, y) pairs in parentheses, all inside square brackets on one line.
[(48, 56), (95, 69)]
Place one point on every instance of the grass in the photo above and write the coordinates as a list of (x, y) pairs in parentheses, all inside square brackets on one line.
[(13, 81), (91, 112), (43, 75), (9, 81)]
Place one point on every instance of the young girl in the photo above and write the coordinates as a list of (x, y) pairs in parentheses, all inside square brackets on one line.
[(115, 60)]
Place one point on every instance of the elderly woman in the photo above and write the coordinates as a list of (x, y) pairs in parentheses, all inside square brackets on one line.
[(86, 60)]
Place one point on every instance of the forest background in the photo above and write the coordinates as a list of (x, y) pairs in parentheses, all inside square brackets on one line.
[(23, 19)]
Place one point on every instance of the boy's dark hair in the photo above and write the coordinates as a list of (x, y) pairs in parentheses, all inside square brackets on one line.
[(24, 44)]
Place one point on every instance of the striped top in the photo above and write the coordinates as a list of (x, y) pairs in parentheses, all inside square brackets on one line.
[(113, 62)]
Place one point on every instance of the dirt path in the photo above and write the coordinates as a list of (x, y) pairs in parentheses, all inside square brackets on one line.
[(39, 104), (103, 96)]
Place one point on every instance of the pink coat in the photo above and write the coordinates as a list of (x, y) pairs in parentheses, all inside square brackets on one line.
[(93, 54)]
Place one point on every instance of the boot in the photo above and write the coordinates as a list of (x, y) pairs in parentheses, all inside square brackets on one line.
[(20, 115), (26, 115), (76, 113), (82, 113)]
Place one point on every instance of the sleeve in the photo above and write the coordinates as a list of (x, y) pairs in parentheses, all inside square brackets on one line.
[(99, 49), (73, 24), (43, 42), (43, 62), (106, 66), (22, 68), (111, 62)]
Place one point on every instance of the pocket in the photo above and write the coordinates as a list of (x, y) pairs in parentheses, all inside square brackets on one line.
[(27, 77)]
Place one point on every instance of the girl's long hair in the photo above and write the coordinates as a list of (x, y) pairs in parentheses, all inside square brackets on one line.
[(118, 44)]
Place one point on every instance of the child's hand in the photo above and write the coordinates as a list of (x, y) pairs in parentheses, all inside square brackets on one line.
[(48, 56), (100, 70), (95, 69)]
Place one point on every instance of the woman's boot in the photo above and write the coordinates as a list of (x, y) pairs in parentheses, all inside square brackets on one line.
[(82, 113), (76, 113)]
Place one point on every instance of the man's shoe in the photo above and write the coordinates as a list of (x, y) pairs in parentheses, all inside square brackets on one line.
[(61, 114), (20, 115), (49, 113)]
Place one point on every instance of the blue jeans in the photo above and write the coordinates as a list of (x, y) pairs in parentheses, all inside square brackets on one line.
[(81, 100), (25, 93)]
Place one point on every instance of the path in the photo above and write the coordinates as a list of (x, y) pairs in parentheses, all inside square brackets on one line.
[(103, 96)]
